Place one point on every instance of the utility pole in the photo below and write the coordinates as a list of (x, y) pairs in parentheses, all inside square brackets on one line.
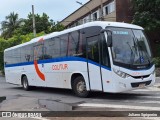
[(34, 25)]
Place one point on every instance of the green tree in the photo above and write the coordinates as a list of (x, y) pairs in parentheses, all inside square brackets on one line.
[(147, 14), (18, 31), (15, 40), (56, 27), (11, 23), (42, 24)]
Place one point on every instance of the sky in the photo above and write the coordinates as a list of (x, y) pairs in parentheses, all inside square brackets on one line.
[(55, 9)]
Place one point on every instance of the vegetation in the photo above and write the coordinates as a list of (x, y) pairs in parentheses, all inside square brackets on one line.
[(11, 23), (42, 24), (15, 40), (146, 14), (158, 49), (157, 61), (17, 31)]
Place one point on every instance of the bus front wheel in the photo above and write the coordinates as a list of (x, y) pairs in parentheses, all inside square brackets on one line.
[(79, 87), (25, 83)]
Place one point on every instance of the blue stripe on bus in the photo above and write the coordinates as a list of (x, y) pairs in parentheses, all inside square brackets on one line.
[(94, 63), (63, 59), (19, 64)]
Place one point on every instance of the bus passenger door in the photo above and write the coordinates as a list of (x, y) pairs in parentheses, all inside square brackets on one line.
[(93, 56), (105, 65), (39, 65)]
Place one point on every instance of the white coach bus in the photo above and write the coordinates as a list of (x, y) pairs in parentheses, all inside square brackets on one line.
[(97, 56)]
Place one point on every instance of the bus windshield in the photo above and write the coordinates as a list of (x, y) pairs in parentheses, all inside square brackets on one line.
[(130, 47)]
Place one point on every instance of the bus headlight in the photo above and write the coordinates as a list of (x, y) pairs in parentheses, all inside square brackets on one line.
[(120, 73)]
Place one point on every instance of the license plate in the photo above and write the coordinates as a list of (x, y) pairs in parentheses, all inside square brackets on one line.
[(142, 85)]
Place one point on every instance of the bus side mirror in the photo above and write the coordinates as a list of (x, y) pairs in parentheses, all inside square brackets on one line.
[(109, 38)]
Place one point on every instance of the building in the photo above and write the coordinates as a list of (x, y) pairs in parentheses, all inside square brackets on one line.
[(113, 10)]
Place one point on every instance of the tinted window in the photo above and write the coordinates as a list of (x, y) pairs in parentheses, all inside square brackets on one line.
[(13, 56), (52, 48), (27, 53), (64, 44), (38, 51), (91, 31), (88, 32), (8, 57), (93, 48), (75, 44)]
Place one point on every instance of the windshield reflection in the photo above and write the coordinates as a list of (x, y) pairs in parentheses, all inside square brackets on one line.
[(130, 47)]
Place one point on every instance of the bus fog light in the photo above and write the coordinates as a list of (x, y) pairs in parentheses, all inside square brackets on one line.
[(120, 73), (122, 85)]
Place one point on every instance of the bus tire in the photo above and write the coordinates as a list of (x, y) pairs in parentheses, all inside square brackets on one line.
[(79, 87), (25, 83)]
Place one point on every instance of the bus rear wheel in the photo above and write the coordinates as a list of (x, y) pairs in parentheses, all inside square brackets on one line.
[(25, 83), (79, 87)]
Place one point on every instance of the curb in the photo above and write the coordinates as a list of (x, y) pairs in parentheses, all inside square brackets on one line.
[(157, 84)]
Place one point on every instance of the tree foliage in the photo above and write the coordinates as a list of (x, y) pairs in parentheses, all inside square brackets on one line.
[(57, 27), (43, 23), (10, 24), (17, 31), (147, 14), (15, 26), (15, 40)]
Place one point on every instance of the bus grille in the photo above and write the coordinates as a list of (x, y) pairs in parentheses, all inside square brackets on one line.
[(139, 77), (137, 84)]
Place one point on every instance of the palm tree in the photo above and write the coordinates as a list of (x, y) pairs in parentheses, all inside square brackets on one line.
[(11, 23)]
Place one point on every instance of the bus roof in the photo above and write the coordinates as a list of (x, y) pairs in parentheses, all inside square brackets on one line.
[(102, 24)]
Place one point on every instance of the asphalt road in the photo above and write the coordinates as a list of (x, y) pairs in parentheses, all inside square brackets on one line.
[(13, 98)]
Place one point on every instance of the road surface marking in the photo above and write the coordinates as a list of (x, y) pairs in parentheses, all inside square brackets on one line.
[(118, 106), (152, 102), (151, 97), (39, 118)]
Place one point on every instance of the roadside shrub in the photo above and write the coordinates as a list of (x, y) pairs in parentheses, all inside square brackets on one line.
[(157, 61), (15, 40)]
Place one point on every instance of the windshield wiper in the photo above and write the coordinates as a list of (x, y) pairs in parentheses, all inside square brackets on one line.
[(146, 54), (141, 48), (132, 53)]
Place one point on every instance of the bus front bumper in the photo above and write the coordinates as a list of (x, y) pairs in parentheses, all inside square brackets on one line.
[(130, 83)]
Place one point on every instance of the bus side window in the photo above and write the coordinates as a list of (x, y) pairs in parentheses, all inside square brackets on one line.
[(27, 53), (93, 48), (16, 58), (7, 57), (64, 44), (75, 44), (90, 32), (38, 52), (52, 48)]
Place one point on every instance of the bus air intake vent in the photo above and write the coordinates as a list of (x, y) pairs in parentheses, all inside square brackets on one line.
[(139, 83)]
